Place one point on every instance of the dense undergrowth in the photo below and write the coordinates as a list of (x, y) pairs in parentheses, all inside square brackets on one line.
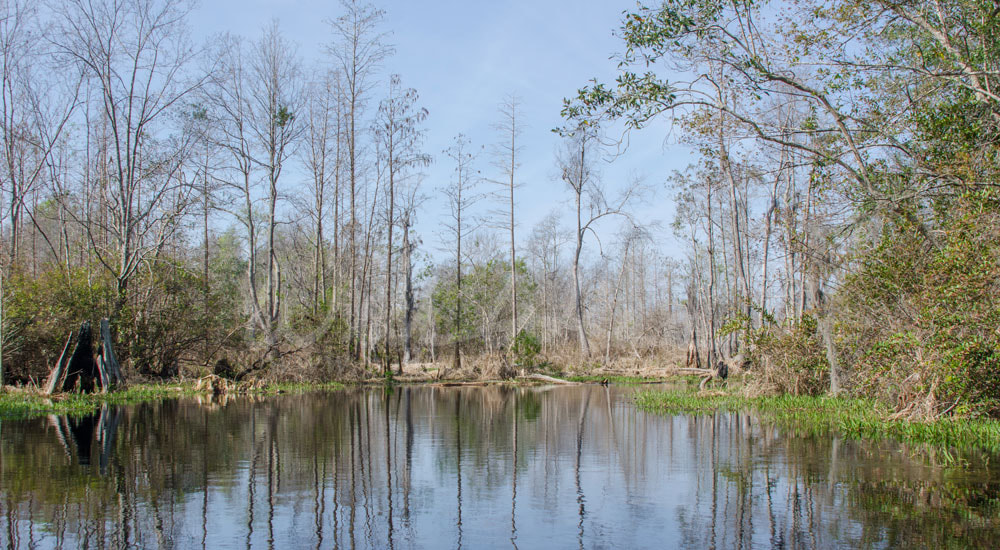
[(915, 320)]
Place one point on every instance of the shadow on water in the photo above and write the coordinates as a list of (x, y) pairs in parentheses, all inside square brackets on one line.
[(422, 467)]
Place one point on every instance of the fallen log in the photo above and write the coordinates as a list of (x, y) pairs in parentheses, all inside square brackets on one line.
[(697, 372), (550, 379), (456, 384)]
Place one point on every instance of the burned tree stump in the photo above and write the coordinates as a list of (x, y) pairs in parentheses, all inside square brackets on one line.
[(82, 370), (58, 374), (108, 361)]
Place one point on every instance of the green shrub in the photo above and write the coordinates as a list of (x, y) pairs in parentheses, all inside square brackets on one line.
[(921, 319), (526, 349)]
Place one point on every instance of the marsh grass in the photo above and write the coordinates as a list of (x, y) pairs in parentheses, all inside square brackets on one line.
[(299, 387), (848, 417), (19, 403)]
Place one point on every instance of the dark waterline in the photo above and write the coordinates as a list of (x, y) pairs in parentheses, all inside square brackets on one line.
[(484, 467)]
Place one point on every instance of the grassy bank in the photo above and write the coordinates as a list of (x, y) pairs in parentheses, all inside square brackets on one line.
[(853, 418), (22, 403)]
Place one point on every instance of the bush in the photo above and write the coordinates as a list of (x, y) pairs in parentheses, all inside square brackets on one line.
[(921, 320), (173, 318), (788, 360), (526, 349)]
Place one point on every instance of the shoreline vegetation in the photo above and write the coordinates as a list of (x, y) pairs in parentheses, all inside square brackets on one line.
[(22, 402), (849, 417), (947, 437)]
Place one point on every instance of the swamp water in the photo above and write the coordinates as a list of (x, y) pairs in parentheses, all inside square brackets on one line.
[(472, 467)]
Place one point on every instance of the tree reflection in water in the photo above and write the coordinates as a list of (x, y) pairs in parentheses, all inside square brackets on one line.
[(447, 467)]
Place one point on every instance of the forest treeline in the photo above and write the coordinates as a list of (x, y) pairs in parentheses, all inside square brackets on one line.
[(839, 225), (230, 206)]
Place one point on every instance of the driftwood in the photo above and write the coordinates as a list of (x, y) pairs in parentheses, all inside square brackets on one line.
[(215, 384), (721, 372)]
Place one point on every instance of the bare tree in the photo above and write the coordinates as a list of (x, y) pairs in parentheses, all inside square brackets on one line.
[(35, 110), (510, 127), (276, 100), (358, 50), (460, 198), (544, 244), (204, 159), (629, 239), (398, 138), (254, 104), (576, 166), (694, 221), (407, 219), (323, 160), (228, 99), (135, 55)]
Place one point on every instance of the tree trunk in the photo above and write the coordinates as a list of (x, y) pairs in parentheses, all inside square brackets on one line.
[(578, 299), (319, 288), (614, 305), (353, 336), (824, 326), (513, 263), (805, 264), (206, 288), (408, 292), (768, 218), (387, 362), (711, 282), (458, 282), (693, 359)]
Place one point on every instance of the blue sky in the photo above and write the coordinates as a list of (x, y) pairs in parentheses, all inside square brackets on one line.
[(463, 57)]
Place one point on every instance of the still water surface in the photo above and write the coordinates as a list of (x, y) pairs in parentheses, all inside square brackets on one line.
[(470, 467)]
